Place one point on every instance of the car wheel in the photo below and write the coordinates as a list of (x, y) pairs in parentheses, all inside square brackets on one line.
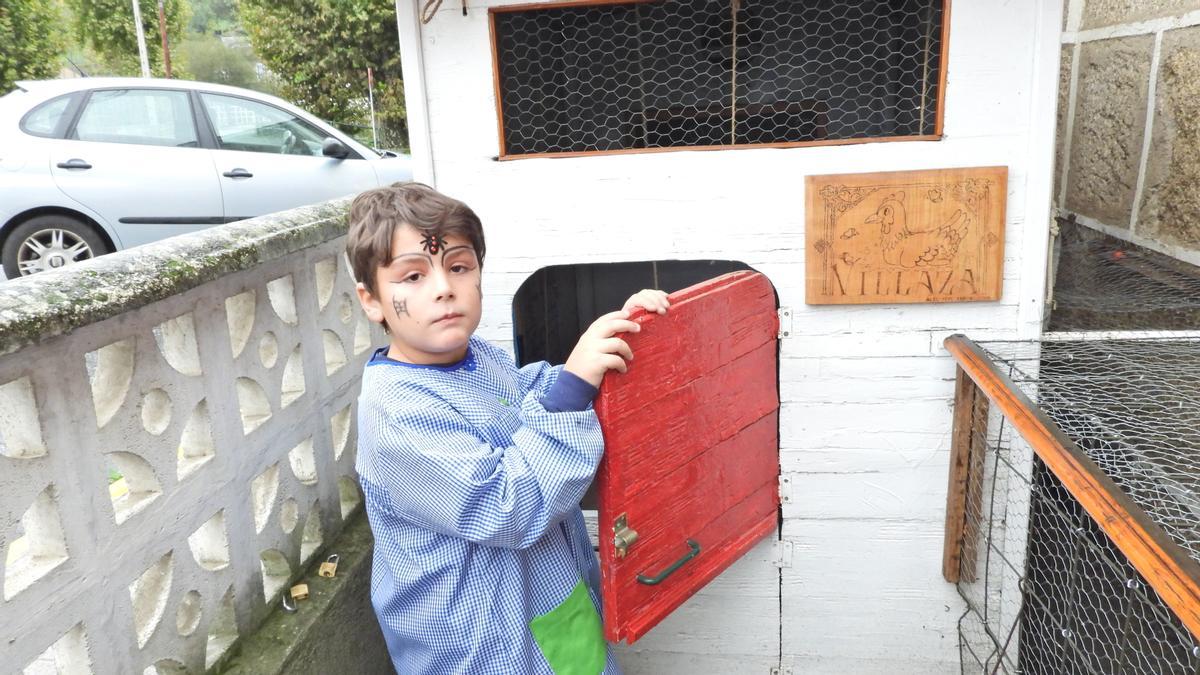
[(49, 242)]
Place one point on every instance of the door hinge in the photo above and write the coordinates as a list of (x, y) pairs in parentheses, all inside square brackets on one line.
[(785, 322), (623, 536), (785, 490), (781, 557)]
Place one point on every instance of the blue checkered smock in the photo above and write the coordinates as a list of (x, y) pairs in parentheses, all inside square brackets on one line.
[(472, 489)]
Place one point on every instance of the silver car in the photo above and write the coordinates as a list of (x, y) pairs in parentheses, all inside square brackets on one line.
[(92, 165)]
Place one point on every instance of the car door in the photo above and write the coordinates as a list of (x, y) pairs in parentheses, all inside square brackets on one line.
[(133, 156), (689, 479), (269, 159)]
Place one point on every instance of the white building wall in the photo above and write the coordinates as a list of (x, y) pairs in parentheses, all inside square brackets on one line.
[(866, 390)]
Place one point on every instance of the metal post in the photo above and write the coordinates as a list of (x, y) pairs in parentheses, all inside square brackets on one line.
[(371, 101), (162, 32), (141, 39)]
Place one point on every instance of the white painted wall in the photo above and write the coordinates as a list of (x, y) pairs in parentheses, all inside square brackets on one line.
[(866, 390)]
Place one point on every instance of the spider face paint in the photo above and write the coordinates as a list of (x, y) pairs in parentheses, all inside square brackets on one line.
[(434, 243), (401, 307)]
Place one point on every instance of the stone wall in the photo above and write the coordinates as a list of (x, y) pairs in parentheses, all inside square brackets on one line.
[(1128, 150), (176, 442)]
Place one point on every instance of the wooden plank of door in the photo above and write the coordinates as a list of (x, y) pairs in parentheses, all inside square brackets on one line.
[(691, 435)]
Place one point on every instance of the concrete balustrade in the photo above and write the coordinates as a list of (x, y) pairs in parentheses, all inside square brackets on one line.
[(176, 442)]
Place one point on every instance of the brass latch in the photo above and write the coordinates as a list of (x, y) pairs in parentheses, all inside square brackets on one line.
[(623, 536)]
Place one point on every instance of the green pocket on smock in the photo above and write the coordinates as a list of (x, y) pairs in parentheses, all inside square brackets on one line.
[(570, 635)]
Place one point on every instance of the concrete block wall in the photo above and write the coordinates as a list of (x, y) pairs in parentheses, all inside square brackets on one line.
[(854, 583), (1128, 145), (176, 442)]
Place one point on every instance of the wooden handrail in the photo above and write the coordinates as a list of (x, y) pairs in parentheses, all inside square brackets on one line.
[(1165, 565)]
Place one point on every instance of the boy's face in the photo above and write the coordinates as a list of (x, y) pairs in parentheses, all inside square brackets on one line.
[(429, 295)]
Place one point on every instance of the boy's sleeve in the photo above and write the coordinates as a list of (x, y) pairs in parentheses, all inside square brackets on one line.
[(569, 393), (537, 377), (557, 388), (441, 476)]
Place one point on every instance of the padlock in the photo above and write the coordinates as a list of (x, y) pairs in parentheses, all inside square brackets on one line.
[(300, 592), (329, 567)]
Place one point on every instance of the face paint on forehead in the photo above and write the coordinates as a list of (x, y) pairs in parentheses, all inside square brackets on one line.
[(434, 243)]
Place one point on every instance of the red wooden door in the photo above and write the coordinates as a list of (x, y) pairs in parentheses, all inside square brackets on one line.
[(691, 460)]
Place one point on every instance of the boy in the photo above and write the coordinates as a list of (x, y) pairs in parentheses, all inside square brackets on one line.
[(473, 470)]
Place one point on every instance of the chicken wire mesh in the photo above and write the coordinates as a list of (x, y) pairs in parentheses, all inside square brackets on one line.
[(702, 73), (1046, 590), (1105, 283)]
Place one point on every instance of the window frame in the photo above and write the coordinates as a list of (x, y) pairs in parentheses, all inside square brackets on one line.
[(503, 156)]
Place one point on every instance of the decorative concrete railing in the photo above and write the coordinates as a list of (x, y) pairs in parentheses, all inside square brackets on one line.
[(176, 441)]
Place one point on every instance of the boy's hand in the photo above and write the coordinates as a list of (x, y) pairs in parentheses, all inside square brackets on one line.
[(649, 299), (598, 351)]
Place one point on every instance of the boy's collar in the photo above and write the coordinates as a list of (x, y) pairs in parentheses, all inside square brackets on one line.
[(467, 362)]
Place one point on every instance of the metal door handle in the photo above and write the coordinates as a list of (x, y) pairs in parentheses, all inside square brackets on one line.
[(74, 164), (238, 173), (656, 580)]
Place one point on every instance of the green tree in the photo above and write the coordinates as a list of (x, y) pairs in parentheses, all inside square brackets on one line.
[(33, 44), (106, 28), (320, 50), (209, 59), (213, 16)]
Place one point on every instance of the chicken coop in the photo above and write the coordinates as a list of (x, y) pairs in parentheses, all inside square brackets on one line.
[(969, 476), (611, 146)]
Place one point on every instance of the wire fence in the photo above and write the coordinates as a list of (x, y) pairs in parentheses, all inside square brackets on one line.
[(704, 73), (1047, 590), (1105, 283)]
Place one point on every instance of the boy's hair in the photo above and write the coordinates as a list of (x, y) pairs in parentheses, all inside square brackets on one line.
[(376, 213)]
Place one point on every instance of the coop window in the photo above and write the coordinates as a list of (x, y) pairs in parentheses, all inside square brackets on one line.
[(604, 76)]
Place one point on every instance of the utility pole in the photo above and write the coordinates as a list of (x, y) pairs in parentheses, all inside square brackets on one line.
[(141, 39), (162, 31)]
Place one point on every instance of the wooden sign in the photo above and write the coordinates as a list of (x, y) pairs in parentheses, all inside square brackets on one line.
[(905, 236)]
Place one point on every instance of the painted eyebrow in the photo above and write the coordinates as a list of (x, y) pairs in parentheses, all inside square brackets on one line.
[(406, 255), (453, 249)]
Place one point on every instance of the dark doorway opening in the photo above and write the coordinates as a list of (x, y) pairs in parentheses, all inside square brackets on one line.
[(556, 304)]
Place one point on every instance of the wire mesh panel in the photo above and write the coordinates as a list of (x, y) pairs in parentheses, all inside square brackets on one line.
[(1047, 590), (993, 545), (1134, 407), (1087, 609), (1105, 283), (713, 73)]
